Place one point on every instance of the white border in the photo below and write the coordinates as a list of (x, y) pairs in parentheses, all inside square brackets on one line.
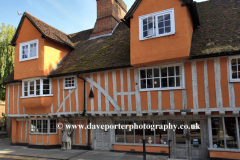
[(172, 15), (64, 79), (34, 133), (41, 87), (166, 88), (230, 68), (27, 43)]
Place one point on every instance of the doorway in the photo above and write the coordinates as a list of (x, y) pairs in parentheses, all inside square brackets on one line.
[(188, 140)]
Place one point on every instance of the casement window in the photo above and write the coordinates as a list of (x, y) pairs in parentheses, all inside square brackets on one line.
[(43, 126), (234, 63), (28, 50), (162, 78), (37, 87), (137, 134), (157, 24), (69, 82), (225, 132)]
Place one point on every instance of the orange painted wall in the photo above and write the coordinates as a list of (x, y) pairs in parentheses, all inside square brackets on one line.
[(230, 155), (42, 139), (37, 104), (14, 131), (161, 49), (50, 53), (21, 69), (53, 54), (140, 149)]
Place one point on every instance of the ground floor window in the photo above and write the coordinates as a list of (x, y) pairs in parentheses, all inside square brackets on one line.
[(137, 134), (43, 126), (225, 132)]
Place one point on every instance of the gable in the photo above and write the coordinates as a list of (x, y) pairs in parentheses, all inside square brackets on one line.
[(45, 30)]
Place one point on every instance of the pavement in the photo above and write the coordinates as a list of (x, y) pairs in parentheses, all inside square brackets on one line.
[(8, 152)]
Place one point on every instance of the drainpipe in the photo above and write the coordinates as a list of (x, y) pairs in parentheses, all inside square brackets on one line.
[(84, 104), (84, 95)]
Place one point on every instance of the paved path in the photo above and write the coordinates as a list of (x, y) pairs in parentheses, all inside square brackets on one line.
[(6, 151)]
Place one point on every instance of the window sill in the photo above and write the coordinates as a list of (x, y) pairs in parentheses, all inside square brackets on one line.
[(224, 150), (49, 95), (69, 88), (43, 133), (152, 37), (163, 89), (234, 80), (28, 59), (140, 144)]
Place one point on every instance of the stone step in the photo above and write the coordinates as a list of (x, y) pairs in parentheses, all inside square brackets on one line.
[(3, 135)]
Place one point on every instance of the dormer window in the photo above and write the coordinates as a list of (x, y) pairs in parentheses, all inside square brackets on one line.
[(28, 50), (157, 24)]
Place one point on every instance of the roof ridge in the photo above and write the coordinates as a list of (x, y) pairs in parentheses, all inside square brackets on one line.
[(80, 31)]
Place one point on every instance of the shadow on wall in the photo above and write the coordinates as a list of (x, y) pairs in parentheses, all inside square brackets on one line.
[(53, 54)]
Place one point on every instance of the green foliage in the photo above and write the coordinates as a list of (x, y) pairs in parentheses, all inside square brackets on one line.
[(4, 121), (6, 54)]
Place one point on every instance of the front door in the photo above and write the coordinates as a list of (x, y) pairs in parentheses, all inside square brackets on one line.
[(102, 136), (188, 140)]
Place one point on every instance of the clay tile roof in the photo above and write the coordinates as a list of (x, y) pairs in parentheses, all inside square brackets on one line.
[(97, 54), (10, 79), (219, 32), (45, 29)]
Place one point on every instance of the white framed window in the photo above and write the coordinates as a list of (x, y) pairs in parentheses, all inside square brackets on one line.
[(162, 78), (224, 133), (234, 66), (37, 87), (69, 82), (28, 50), (43, 126), (157, 24)]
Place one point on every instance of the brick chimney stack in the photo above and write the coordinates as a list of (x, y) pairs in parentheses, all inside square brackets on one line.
[(109, 13)]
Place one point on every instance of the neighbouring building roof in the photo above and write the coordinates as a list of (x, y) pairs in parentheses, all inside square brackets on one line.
[(10, 79), (45, 29), (102, 53), (219, 32)]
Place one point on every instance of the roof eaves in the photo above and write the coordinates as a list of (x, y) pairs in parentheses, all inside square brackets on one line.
[(15, 81), (222, 54), (87, 71), (13, 42), (129, 14)]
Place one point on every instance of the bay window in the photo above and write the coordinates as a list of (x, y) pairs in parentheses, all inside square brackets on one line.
[(36, 87), (43, 126), (28, 50), (157, 24), (158, 78)]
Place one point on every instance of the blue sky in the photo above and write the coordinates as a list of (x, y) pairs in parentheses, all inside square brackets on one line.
[(69, 16)]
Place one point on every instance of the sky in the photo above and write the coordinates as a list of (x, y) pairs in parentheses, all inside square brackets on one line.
[(69, 16)]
